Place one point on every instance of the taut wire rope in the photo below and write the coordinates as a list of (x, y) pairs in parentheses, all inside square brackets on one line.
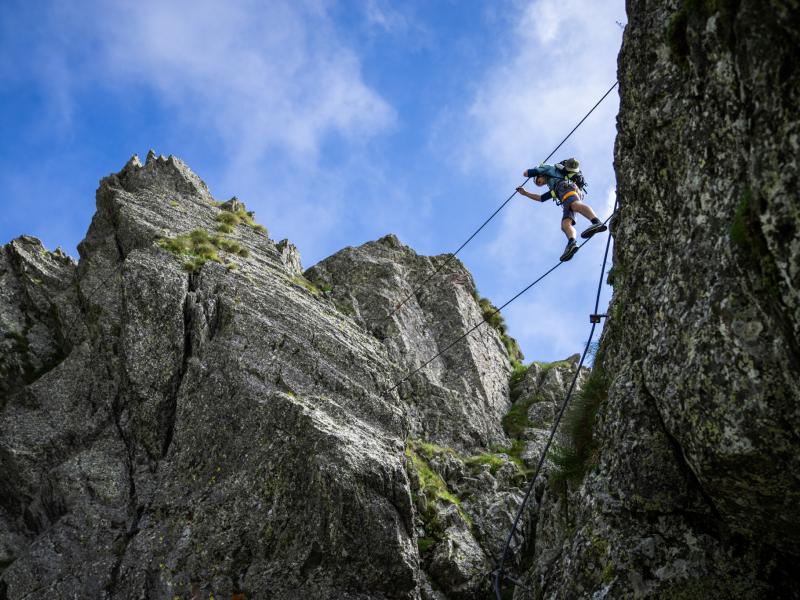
[(484, 320), (499, 574), (451, 256)]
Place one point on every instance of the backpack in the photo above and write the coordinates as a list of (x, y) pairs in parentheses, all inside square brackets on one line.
[(570, 170)]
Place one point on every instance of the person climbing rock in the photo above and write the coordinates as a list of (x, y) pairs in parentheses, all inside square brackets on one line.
[(565, 183)]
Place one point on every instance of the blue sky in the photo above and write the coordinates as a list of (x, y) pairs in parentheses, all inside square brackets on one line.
[(337, 122)]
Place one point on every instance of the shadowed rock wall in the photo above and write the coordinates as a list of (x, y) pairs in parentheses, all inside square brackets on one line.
[(694, 492)]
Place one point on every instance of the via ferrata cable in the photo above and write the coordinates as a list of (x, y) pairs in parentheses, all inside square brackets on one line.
[(451, 256), (499, 574), (487, 316)]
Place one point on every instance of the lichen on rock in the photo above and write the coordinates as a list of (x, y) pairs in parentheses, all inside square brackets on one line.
[(189, 430), (693, 446), (242, 428)]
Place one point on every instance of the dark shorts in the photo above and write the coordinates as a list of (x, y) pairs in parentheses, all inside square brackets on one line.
[(567, 212), (563, 188)]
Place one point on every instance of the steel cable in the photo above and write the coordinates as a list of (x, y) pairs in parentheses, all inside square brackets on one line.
[(451, 256), (487, 316), (499, 574)]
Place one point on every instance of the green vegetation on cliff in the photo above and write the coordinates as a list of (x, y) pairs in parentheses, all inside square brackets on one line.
[(579, 453), (430, 491), (200, 246), (516, 420), (491, 314), (228, 220)]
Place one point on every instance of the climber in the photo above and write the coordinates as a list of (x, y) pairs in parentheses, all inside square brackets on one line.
[(565, 184)]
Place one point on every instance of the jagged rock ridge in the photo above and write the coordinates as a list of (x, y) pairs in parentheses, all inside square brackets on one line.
[(184, 414), (225, 430)]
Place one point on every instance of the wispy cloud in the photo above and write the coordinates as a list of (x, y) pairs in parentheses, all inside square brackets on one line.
[(264, 87), (291, 106), (561, 57), (380, 13), (544, 325), (263, 76)]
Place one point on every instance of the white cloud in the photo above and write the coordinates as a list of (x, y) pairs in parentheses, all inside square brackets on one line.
[(544, 324), (560, 59), (381, 14), (270, 86), (260, 77), (264, 78), (275, 87)]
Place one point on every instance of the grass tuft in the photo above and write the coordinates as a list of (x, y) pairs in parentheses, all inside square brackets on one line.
[(500, 456), (516, 420), (433, 488), (494, 461), (307, 285), (515, 381), (546, 366), (580, 452), (199, 247), (228, 220), (492, 316), (431, 484)]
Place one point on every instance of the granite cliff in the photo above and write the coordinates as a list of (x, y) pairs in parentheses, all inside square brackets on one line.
[(187, 413)]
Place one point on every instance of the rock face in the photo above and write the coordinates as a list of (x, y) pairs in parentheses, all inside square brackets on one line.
[(465, 389), (694, 492), (184, 414), (36, 296)]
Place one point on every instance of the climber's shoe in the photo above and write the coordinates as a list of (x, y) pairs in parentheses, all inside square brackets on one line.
[(592, 229), (569, 251)]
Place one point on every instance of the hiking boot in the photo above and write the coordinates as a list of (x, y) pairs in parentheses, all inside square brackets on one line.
[(592, 229), (569, 251)]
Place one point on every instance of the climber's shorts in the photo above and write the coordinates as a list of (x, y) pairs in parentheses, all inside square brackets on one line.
[(567, 212), (568, 192)]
